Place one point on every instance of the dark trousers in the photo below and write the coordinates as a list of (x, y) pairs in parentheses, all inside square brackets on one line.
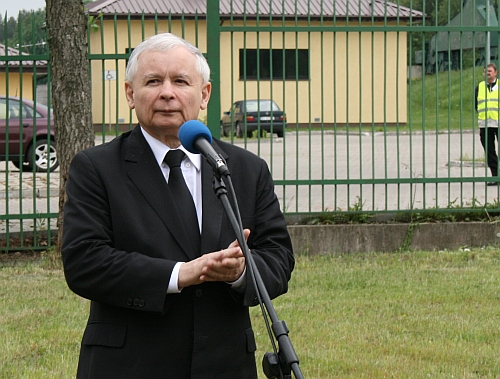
[(488, 137)]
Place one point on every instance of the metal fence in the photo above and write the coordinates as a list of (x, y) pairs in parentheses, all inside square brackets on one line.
[(379, 101)]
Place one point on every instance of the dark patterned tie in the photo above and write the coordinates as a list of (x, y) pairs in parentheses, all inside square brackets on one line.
[(183, 198)]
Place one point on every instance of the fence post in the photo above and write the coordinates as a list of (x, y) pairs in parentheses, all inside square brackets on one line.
[(213, 57)]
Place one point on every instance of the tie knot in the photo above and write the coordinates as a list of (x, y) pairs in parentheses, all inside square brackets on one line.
[(174, 158)]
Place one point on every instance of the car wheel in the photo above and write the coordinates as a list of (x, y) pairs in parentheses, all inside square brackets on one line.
[(42, 156), (222, 131)]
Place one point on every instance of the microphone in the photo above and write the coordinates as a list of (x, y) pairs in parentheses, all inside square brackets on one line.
[(197, 139)]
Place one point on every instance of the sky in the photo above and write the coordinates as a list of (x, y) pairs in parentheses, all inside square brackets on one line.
[(12, 7)]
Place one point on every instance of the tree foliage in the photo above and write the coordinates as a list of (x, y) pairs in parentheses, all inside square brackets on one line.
[(27, 33), (437, 13)]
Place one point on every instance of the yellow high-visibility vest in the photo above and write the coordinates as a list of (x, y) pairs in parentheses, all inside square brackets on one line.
[(487, 102)]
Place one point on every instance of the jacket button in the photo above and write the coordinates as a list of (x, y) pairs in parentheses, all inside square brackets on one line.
[(136, 302), (142, 303), (129, 301), (199, 293)]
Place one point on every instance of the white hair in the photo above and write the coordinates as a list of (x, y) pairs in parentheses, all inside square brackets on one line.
[(165, 42)]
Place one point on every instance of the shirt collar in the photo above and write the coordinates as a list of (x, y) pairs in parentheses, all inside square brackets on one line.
[(160, 150)]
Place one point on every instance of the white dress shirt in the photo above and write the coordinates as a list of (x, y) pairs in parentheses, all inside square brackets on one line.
[(191, 169)]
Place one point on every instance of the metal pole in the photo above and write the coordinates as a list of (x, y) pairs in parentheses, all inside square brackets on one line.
[(487, 50), (109, 95), (213, 58)]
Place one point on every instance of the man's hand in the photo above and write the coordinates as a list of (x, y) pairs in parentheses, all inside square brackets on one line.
[(221, 266)]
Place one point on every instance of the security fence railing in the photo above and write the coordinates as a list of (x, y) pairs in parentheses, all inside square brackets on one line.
[(377, 100)]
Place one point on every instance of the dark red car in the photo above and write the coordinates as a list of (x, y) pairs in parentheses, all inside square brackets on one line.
[(27, 135), (245, 116)]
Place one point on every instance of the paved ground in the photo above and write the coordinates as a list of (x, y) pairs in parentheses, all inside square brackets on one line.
[(382, 158)]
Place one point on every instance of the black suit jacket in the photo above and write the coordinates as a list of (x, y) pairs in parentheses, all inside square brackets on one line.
[(121, 240)]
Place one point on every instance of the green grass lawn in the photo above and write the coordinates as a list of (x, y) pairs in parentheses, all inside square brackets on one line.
[(405, 315), (444, 101)]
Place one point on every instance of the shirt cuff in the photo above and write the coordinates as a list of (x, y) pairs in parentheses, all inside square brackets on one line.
[(173, 284), (240, 283)]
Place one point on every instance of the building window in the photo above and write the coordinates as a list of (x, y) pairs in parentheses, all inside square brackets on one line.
[(275, 64)]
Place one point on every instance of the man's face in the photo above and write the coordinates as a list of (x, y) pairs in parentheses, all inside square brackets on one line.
[(167, 91), (491, 74)]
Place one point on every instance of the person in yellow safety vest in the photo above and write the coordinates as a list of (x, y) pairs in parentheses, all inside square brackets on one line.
[(487, 106)]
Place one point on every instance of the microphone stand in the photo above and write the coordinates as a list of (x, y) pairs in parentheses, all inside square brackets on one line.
[(281, 363)]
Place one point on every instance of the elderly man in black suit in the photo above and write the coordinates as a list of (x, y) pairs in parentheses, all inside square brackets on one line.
[(165, 304)]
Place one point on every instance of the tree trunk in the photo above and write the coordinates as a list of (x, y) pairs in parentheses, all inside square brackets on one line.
[(71, 87)]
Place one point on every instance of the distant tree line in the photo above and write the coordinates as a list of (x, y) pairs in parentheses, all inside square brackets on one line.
[(26, 32)]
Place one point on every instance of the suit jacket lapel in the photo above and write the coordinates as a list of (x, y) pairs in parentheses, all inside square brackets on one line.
[(144, 172)]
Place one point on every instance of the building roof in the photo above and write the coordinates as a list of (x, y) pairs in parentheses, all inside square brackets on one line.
[(9, 51), (327, 9)]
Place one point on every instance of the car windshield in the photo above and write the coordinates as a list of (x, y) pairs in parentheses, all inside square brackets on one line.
[(262, 105)]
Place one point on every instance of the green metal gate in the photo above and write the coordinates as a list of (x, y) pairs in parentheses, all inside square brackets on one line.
[(378, 97)]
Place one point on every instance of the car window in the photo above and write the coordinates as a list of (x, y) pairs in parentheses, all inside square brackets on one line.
[(262, 105), (3, 110), (26, 111), (275, 106), (12, 110), (252, 106), (38, 114), (265, 106)]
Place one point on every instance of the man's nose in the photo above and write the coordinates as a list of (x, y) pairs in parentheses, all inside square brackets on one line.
[(167, 90)]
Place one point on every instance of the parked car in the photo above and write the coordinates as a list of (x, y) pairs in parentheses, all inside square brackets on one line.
[(20, 122), (245, 116)]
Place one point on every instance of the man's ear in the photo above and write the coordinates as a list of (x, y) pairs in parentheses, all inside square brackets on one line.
[(129, 92), (206, 90)]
